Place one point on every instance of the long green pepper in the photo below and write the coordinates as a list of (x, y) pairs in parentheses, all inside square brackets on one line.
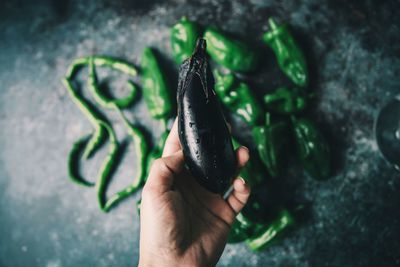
[(139, 141), (98, 138), (184, 35), (237, 97), (290, 58), (230, 53), (103, 99), (141, 146), (101, 61)]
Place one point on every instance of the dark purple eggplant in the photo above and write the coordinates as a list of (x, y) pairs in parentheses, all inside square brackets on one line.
[(203, 132)]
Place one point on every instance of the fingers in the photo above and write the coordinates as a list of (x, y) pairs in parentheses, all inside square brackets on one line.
[(239, 195), (243, 156), (172, 144), (163, 171)]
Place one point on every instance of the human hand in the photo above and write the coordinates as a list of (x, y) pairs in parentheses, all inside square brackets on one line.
[(181, 223)]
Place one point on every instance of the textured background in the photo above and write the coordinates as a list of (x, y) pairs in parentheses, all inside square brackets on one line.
[(352, 47)]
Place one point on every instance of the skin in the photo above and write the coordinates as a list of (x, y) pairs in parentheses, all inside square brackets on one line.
[(182, 224)]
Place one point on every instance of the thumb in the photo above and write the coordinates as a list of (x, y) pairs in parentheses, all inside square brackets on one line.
[(163, 171)]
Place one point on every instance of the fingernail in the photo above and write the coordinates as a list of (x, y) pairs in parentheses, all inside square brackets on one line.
[(243, 180)]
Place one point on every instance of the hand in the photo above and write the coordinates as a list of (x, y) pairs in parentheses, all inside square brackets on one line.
[(181, 223)]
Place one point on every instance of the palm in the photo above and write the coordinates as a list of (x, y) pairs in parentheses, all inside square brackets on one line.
[(198, 221)]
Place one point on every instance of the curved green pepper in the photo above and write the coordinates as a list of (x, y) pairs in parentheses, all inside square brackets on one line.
[(141, 147), (103, 99), (73, 162), (313, 150), (271, 231), (271, 142), (290, 58), (230, 53), (105, 61), (237, 97), (184, 35), (156, 92), (285, 101), (98, 138)]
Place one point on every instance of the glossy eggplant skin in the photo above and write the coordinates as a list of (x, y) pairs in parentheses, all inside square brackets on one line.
[(203, 132)]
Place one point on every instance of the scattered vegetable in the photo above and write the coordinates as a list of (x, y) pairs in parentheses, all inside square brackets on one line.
[(313, 150), (271, 143), (238, 98), (184, 35), (230, 53), (290, 58), (286, 101), (156, 91)]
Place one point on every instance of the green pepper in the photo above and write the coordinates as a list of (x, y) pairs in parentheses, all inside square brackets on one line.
[(237, 97), (271, 142), (253, 172), (184, 35), (290, 58), (313, 150), (230, 53), (103, 99), (242, 229), (271, 231), (156, 91), (73, 162), (141, 153), (286, 101)]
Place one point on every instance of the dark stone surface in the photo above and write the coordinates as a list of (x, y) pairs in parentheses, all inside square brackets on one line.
[(353, 48)]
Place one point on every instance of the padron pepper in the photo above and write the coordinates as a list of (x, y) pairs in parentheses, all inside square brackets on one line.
[(203, 132), (230, 53), (156, 91), (271, 231), (242, 229), (313, 150), (286, 101), (184, 35), (271, 141), (290, 58), (237, 97)]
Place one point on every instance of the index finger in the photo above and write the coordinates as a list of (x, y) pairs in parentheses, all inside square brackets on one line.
[(172, 144)]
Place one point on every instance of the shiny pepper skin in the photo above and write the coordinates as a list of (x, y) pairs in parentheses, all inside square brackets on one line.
[(184, 35), (313, 150), (238, 98), (271, 142), (203, 132), (285, 101), (290, 58), (230, 53), (272, 231), (156, 91)]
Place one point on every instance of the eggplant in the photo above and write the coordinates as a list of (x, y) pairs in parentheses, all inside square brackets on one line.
[(204, 135)]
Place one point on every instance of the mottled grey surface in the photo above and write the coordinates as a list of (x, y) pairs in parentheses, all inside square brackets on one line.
[(353, 47)]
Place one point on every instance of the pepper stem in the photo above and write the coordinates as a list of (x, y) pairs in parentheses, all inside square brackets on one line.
[(272, 24)]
